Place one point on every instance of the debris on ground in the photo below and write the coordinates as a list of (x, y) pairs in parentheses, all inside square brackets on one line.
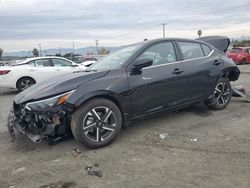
[(193, 139), (19, 170), (94, 170), (60, 184), (240, 91), (75, 153), (163, 135)]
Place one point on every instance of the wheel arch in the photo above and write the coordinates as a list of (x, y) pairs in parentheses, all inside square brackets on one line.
[(232, 73), (104, 95), (24, 77)]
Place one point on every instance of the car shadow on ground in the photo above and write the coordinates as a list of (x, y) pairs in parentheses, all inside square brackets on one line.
[(197, 109), (23, 144), (8, 92)]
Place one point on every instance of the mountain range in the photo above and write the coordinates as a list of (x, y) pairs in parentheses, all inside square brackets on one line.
[(53, 51)]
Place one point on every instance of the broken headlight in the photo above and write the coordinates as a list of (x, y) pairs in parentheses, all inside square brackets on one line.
[(50, 102)]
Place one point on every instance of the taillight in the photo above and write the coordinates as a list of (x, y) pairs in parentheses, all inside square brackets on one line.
[(3, 72)]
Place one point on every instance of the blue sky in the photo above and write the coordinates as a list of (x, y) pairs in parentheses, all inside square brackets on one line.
[(26, 23)]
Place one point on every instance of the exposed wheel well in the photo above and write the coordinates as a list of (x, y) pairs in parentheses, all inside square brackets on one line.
[(232, 74), (24, 77)]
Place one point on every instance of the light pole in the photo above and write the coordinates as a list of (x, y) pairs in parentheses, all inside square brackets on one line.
[(199, 32), (163, 29), (40, 49), (73, 43), (59, 50), (96, 43)]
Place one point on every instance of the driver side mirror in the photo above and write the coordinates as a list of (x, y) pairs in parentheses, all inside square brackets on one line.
[(74, 65), (142, 63)]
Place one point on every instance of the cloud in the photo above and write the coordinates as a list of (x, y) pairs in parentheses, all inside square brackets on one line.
[(116, 21)]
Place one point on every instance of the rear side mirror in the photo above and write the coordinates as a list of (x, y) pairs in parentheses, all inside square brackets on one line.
[(142, 62)]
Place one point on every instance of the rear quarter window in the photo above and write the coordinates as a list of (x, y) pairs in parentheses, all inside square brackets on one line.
[(191, 50), (206, 49)]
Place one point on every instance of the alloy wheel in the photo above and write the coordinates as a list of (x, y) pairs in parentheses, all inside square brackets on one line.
[(99, 124), (25, 84), (222, 93)]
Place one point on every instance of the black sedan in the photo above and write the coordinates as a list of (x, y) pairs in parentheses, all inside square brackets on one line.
[(138, 80)]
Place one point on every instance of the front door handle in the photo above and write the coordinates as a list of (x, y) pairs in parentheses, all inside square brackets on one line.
[(177, 71), (216, 62)]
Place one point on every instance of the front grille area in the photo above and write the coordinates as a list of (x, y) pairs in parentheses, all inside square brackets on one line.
[(17, 110)]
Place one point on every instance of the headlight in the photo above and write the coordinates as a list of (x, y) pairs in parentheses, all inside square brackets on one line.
[(47, 103)]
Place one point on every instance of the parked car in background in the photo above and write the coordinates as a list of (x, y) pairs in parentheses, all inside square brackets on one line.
[(88, 63), (23, 74), (138, 80), (240, 55)]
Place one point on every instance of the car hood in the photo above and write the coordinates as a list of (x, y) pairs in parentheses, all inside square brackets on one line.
[(57, 85)]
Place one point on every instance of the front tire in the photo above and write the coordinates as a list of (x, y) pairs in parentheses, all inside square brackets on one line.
[(96, 123), (222, 95)]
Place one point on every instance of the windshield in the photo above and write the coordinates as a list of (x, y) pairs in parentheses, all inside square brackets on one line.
[(115, 60)]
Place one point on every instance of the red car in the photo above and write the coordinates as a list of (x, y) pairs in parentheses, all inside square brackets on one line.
[(240, 55)]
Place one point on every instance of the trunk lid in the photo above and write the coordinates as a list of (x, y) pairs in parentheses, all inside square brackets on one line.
[(220, 42)]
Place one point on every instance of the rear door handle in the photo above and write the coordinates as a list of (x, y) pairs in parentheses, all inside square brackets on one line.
[(177, 71), (216, 62)]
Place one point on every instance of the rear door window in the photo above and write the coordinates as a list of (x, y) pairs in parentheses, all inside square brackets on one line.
[(60, 63), (31, 63), (42, 63), (191, 50)]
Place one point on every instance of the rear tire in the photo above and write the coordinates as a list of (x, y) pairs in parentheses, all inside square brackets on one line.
[(222, 95), (96, 123), (244, 61), (25, 83)]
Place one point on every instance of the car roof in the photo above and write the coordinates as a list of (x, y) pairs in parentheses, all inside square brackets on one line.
[(45, 57), (37, 58), (245, 47), (148, 42)]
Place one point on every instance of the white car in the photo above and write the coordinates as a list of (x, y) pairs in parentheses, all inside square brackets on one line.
[(22, 75), (88, 63)]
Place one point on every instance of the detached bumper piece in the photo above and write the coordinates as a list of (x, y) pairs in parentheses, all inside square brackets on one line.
[(50, 125), (240, 91)]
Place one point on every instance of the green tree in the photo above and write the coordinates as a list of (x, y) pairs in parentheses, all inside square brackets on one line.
[(1, 54), (35, 52), (104, 51)]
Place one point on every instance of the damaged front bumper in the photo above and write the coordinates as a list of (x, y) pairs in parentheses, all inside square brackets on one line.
[(51, 124)]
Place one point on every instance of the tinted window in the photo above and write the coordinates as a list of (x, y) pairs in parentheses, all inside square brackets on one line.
[(206, 49), (60, 63), (191, 50), (161, 53), (42, 63), (236, 50)]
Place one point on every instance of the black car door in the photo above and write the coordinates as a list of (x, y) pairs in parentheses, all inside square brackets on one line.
[(160, 85), (202, 69)]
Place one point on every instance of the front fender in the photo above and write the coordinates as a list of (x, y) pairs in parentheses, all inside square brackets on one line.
[(100, 93)]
